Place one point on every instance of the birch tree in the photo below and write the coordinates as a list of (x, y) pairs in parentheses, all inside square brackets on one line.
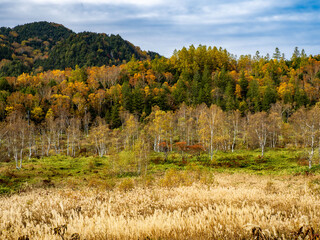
[(209, 121), (99, 135), (141, 151), (156, 127), (275, 127), (16, 137), (233, 124), (130, 130), (74, 135), (307, 124), (259, 129)]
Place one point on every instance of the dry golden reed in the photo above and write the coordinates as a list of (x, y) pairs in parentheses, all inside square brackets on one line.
[(229, 208)]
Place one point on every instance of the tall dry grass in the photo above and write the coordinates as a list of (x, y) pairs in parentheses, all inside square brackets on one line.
[(228, 208)]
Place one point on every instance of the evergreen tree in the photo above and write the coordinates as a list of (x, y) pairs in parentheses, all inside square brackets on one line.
[(127, 97), (180, 93), (107, 116), (230, 97), (205, 87), (4, 85), (277, 54), (205, 95), (300, 98), (221, 79), (243, 82), (296, 59), (269, 97), (254, 96), (115, 116), (137, 101)]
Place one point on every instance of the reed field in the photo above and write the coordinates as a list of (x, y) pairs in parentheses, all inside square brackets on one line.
[(176, 205)]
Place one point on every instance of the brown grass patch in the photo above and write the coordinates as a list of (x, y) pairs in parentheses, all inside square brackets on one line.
[(238, 206)]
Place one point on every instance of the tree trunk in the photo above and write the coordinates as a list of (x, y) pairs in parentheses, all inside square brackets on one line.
[(30, 151), (49, 146), (16, 159), (311, 152), (68, 145), (311, 157), (155, 144), (211, 155), (319, 149)]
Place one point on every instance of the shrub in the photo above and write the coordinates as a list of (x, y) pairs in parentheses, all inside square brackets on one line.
[(174, 178), (126, 185)]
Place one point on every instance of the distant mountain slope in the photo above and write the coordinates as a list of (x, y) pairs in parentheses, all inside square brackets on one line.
[(32, 40), (45, 31), (43, 45), (92, 49)]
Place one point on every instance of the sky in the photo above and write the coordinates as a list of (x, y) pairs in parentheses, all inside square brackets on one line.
[(242, 27)]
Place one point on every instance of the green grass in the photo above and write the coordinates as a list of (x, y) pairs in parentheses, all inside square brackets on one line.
[(275, 161), (61, 170)]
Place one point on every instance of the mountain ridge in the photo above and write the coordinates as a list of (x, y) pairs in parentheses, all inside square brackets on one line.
[(38, 46)]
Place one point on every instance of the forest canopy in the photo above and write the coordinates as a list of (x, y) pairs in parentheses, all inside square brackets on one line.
[(105, 94)]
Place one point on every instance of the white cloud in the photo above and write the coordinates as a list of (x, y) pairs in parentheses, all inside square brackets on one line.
[(292, 17), (97, 2), (241, 26), (232, 12)]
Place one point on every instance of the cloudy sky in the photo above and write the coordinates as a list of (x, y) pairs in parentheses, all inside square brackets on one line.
[(242, 27)]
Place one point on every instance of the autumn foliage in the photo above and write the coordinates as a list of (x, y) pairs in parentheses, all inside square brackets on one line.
[(200, 100)]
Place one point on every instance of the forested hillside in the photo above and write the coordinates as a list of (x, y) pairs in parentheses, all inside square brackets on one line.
[(39, 46), (200, 99)]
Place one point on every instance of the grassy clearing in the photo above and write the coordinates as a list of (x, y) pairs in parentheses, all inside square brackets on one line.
[(275, 162), (59, 171), (174, 206), (235, 196)]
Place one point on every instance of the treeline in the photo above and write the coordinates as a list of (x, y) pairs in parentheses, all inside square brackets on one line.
[(192, 76), (38, 46), (194, 79), (188, 130)]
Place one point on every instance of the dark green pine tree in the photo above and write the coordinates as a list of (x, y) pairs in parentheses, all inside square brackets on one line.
[(221, 80), (296, 58), (277, 54), (137, 101), (254, 96), (6, 52), (300, 98), (108, 116), (127, 97), (269, 97), (4, 85), (115, 116), (147, 104), (180, 93), (205, 95), (164, 96), (14, 68), (244, 83), (230, 101)]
